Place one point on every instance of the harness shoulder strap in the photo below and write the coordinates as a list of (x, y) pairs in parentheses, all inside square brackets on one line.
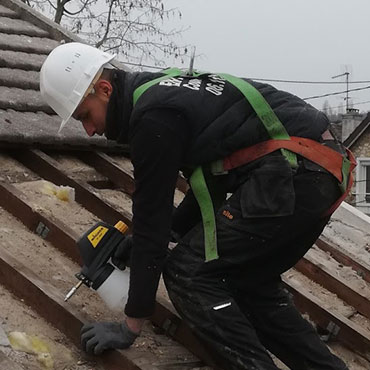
[(272, 125), (171, 72), (203, 197), (275, 129), (269, 119)]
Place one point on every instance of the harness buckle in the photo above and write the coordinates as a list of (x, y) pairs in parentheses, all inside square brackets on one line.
[(217, 168)]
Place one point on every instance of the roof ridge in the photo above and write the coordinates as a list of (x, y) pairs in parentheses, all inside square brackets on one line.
[(357, 132)]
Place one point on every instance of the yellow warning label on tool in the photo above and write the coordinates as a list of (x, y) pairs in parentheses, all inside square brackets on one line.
[(97, 235)]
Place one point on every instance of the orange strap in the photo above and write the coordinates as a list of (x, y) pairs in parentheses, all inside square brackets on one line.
[(307, 148), (342, 197), (322, 155)]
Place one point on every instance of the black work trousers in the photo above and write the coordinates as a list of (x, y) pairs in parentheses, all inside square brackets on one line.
[(236, 304)]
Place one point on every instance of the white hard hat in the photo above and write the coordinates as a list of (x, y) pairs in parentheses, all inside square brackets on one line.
[(67, 74)]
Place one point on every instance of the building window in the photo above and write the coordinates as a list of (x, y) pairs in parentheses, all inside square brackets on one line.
[(363, 182)]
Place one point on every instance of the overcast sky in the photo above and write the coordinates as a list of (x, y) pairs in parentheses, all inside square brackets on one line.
[(309, 40)]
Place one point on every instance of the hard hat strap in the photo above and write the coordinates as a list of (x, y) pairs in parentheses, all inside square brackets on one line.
[(90, 89)]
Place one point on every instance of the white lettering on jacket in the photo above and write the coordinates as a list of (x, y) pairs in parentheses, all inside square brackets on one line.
[(172, 82), (193, 84), (215, 89), (215, 86)]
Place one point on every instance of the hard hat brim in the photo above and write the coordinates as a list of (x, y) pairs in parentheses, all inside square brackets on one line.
[(63, 123)]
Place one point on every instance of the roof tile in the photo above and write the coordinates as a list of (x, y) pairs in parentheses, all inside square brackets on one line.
[(18, 26), (24, 116), (6, 12), (28, 44), (20, 60), (39, 127), (22, 100), (28, 80)]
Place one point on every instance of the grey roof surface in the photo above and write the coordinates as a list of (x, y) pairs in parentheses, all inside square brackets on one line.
[(39, 129), (26, 38), (336, 129), (6, 12), (19, 26)]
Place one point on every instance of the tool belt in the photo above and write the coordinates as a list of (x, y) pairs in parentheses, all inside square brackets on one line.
[(340, 166)]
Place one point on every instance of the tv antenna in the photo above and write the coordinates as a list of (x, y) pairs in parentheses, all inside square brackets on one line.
[(347, 88)]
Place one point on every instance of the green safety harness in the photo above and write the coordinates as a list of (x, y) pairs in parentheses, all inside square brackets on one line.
[(277, 133)]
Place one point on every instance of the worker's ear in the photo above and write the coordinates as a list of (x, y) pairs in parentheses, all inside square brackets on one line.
[(103, 88)]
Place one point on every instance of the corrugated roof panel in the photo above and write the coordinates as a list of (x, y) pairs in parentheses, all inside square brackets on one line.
[(28, 44), (20, 27), (24, 116), (42, 128), (6, 12), (22, 100), (19, 78), (20, 60)]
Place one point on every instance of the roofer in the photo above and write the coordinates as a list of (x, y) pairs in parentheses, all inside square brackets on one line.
[(264, 175)]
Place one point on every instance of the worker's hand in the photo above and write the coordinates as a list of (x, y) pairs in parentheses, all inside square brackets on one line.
[(122, 254), (135, 324), (99, 336)]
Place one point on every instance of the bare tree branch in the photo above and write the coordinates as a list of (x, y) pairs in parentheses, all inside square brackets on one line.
[(84, 5), (134, 29), (60, 10), (103, 39)]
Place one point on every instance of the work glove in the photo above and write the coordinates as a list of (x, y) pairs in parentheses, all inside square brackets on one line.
[(99, 336), (122, 253)]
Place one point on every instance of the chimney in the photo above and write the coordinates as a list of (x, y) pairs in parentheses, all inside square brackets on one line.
[(350, 121)]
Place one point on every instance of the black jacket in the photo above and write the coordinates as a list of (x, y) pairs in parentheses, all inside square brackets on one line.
[(180, 123)]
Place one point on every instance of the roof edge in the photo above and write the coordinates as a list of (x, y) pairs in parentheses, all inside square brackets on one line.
[(27, 13), (56, 31), (359, 130), (353, 216)]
